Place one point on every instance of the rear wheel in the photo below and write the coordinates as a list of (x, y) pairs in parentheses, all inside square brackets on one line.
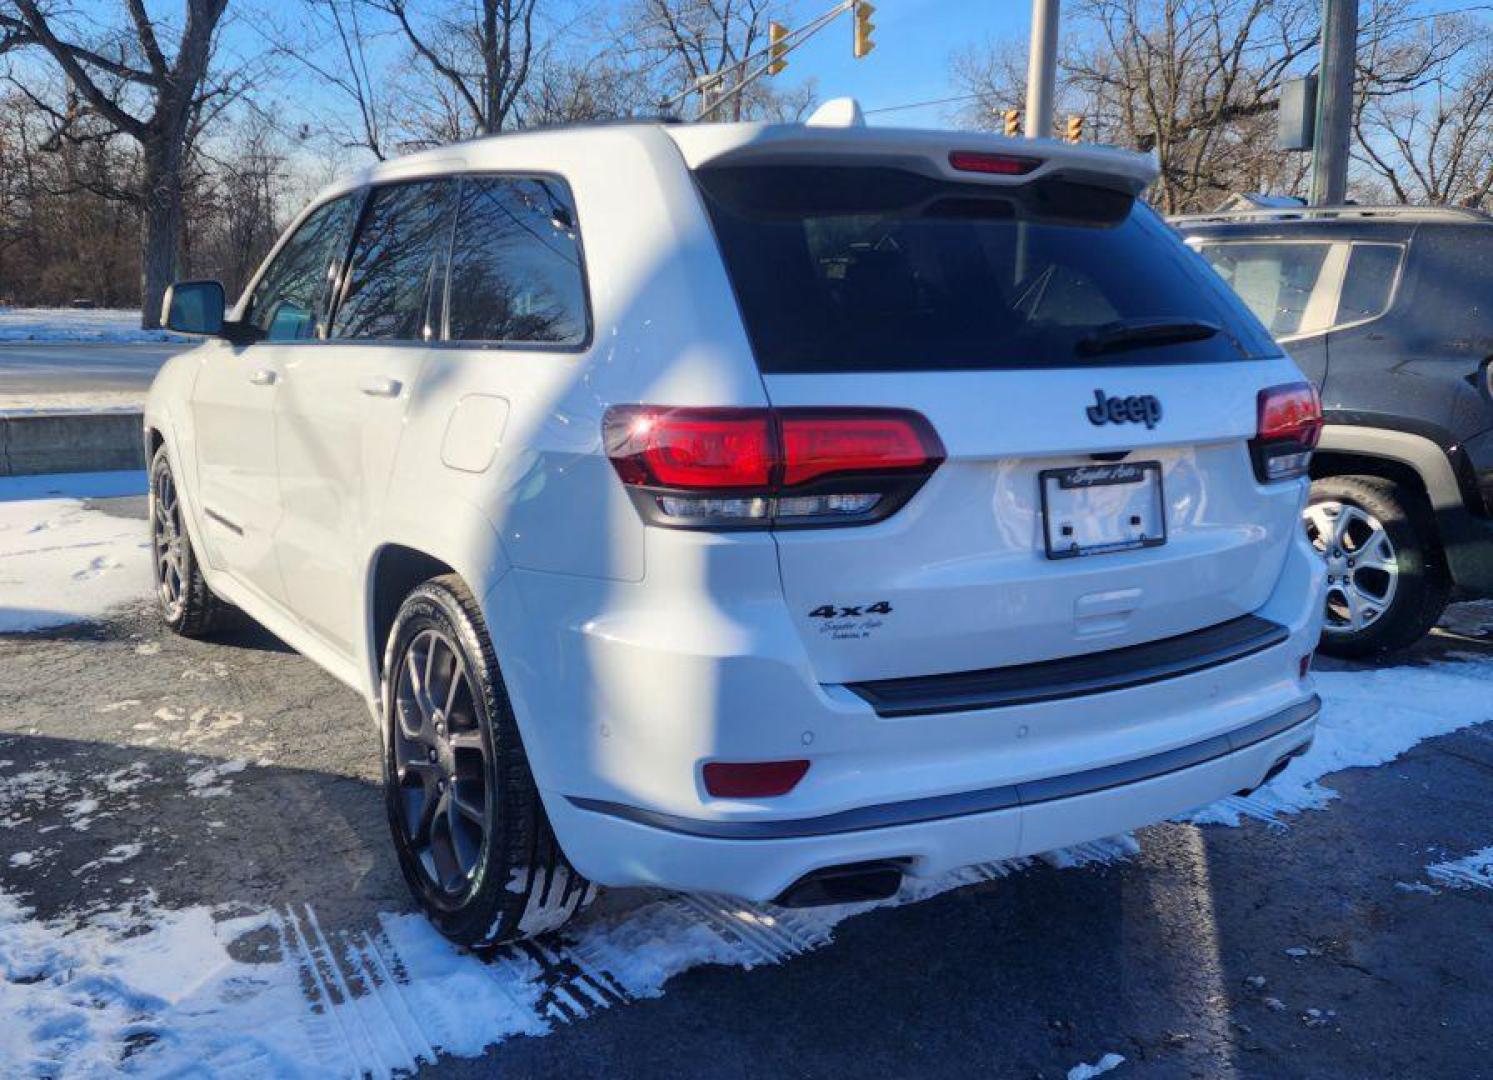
[(1386, 576), (187, 605), (473, 840)]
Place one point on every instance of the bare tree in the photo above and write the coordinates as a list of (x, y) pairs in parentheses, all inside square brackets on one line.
[(1198, 83), (480, 60), (123, 76), (1428, 136), (682, 44)]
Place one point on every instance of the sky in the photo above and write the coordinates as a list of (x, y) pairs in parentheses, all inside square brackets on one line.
[(914, 40)]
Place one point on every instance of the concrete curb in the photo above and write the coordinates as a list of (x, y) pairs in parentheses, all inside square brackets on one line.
[(71, 442)]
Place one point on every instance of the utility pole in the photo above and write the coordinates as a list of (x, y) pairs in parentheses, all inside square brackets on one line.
[(1041, 68), (1335, 102)]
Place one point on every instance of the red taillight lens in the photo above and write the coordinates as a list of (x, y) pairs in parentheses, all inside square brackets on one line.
[(996, 164), (1291, 412), (693, 448), (816, 445), (753, 779), (1289, 425), (750, 468)]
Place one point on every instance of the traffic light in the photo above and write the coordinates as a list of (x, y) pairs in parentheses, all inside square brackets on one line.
[(1013, 122), (1075, 129), (777, 47), (863, 28)]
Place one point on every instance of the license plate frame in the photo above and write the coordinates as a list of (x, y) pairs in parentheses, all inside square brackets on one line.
[(1102, 475)]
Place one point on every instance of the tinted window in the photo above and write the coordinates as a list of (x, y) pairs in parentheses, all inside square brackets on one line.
[(516, 264), (289, 302), (1368, 281), (387, 294), (1281, 283), (867, 268)]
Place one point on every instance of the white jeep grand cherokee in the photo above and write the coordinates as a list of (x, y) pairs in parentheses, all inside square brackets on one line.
[(768, 510)]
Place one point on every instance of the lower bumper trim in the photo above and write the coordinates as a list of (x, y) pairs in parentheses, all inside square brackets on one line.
[(982, 801)]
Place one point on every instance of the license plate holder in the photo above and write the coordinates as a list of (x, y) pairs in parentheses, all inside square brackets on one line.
[(1102, 508)]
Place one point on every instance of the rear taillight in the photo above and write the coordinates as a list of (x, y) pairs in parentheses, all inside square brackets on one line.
[(754, 468), (1290, 423)]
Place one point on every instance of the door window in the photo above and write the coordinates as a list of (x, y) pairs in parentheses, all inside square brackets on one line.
[(1283, 284), (289, 301), (387, 296), (516, 264)]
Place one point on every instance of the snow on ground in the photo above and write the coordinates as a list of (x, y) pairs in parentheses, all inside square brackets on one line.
[(1475, 871), (62, 561), (1099, 1068), (1368, 718), (76, 324), (41, 404)]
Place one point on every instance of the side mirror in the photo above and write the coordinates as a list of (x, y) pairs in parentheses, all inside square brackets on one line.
[(194, 307)]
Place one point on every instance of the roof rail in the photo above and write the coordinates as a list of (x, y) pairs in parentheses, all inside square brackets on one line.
[(1318, 213)]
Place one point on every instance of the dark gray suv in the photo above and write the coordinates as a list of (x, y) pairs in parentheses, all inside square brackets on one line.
[(1390, 311)]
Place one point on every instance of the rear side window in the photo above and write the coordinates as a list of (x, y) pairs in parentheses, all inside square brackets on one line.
[(1308, 287), (1368, 282), (516, 264), (861, 268), (388, 295), (1283, 284), (290, 299)]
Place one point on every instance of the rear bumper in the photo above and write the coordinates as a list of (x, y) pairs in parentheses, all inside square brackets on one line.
[(759, 860)]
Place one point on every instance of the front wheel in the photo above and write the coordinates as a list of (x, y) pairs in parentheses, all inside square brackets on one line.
[(187, 605), (1387, 582), (472, 837)]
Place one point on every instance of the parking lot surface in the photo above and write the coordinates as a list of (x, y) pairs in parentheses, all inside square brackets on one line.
[(208, 814)]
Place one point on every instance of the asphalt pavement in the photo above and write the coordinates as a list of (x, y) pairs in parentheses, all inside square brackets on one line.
[(1267, 950)]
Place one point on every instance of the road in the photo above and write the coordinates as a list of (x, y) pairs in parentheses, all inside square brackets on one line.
[(36, 372), (1175, 957)]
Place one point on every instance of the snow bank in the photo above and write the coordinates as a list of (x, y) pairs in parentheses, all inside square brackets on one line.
[(1368, 718), (62, 561), (76, 324)]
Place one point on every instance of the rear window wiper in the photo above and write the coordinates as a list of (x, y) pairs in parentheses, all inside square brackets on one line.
[(1125, 334)]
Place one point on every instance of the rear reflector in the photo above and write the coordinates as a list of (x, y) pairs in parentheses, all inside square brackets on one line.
[(994, 164), (746, 468), (753, 779), (1289, 425)]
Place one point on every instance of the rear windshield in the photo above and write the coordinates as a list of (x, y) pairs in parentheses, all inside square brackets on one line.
[(855, 268)]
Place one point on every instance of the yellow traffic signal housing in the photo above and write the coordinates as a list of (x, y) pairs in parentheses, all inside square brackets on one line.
[(777, 47), (1013, 122), (863, 28), (1075, 129)]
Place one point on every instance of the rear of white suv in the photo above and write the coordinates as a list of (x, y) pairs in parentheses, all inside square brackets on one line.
[(891, 501), (1006, 559)]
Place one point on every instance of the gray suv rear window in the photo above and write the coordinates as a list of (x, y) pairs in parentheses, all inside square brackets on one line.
[(860, 268)]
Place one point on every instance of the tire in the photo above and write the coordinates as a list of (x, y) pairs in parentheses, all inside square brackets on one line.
[(1387, 576), (187, 605), (473, 841)]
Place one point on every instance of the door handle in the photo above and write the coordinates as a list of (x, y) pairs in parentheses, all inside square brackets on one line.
[(263, 377), (380, 387)]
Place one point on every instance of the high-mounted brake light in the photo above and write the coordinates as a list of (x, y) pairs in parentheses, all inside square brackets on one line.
[(1289, 425), (994, 164), (754, 468)]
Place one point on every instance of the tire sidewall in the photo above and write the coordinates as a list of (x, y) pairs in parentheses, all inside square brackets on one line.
[(1415, 553), (431, 607), (161, 464)]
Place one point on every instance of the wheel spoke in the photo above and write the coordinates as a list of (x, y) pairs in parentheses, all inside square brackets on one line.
[(466, 740)]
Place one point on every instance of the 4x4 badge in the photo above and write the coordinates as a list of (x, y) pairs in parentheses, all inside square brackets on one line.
[(1136, 409)]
